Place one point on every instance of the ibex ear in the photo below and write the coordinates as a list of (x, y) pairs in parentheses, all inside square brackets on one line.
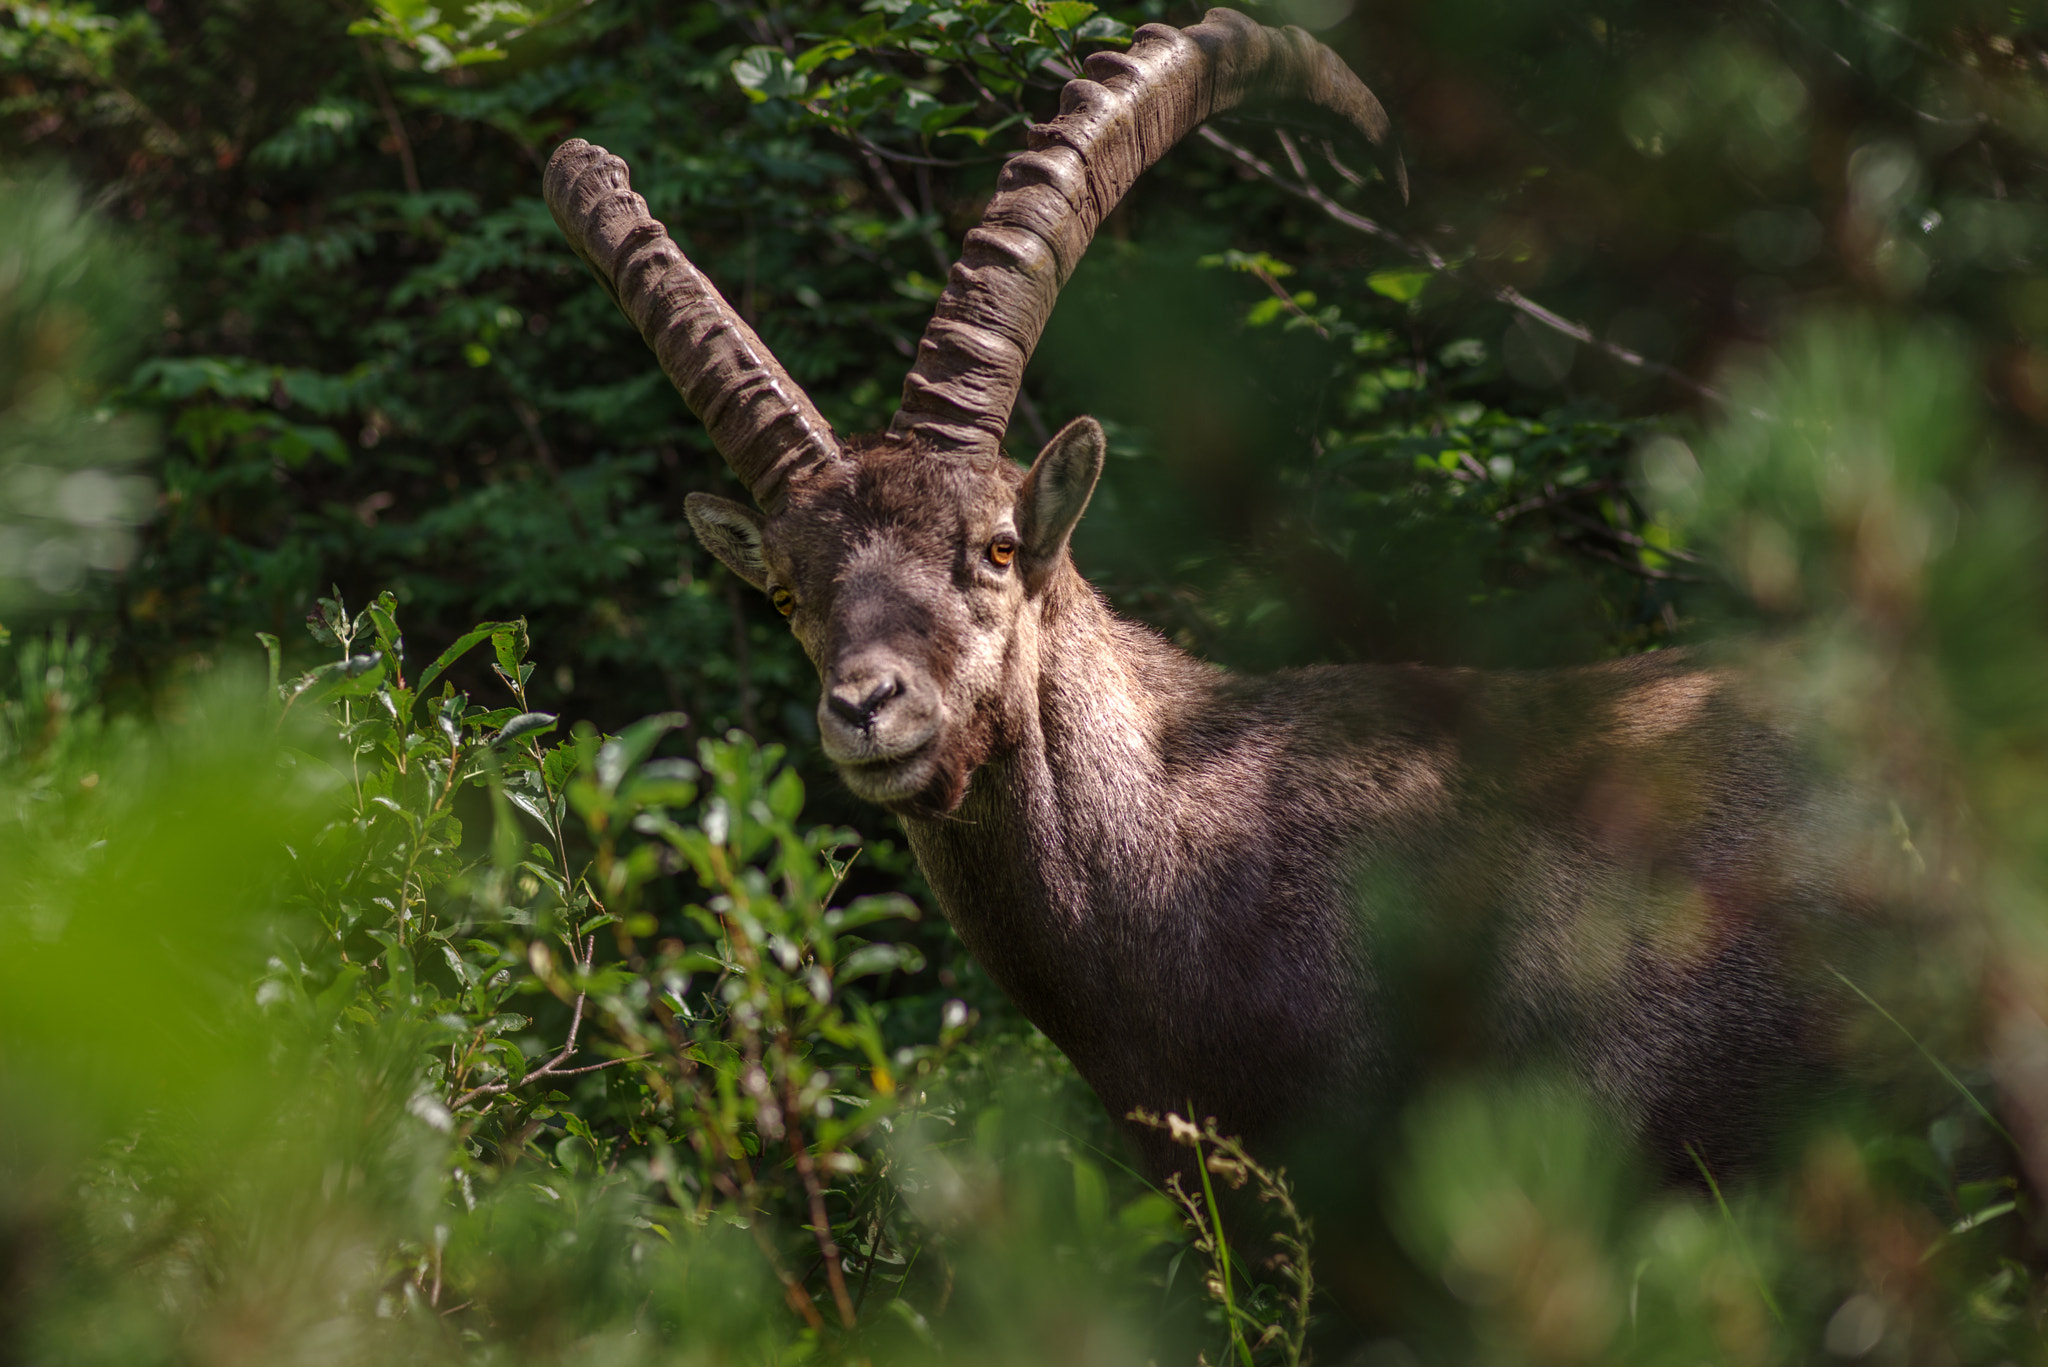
[(1055, 492), (732, 532)]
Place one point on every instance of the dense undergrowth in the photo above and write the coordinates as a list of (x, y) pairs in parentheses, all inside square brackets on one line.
[(510, 996)]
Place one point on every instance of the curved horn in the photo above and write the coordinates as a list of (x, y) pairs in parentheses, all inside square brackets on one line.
[(1050, 198), (760, 421)]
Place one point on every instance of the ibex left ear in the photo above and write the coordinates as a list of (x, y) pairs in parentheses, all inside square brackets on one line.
[(730, 532), (1054, 494)]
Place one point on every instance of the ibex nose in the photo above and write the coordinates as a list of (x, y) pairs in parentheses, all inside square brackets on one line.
[(856, 700)]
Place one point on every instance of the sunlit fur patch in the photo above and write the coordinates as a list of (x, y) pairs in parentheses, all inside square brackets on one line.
[(1664, 707)]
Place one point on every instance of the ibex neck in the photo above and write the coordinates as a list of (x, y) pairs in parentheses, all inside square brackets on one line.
[(1067, 869)]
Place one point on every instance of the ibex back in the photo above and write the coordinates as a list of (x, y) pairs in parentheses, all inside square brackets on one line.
[(1197, 884)]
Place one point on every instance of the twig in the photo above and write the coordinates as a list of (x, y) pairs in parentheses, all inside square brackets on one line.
[(1552, 495), (792, 1289), (1626, 538), (878, 1234), (876, 149), (552, 1068), (1287, 300), (871, 154), (529, 420), (1307, 189), (1033, 417), (1849, 66), (1637, 567), (405, 161), (821, 1220)]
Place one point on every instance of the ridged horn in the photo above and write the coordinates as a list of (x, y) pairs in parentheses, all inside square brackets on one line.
[(1113, 124), (760, 421)]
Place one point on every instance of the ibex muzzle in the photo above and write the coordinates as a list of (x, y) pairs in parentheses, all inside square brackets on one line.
[(885, 674), (1192, 882)]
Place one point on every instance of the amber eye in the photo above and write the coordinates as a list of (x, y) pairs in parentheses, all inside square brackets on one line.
[(1002, 550), (784, 600)]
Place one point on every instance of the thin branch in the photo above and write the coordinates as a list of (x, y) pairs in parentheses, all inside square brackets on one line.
[(878, 1237), (1306, 189), (871, 154), (1287, 300), (405, 161), (1626, 538), (1636, 567), (792, 1289), (1551, 496), (1908, 39), (1850, 66), (529, 420), (821, 1219), (551, 1069), (1033, 417), (876, 149)]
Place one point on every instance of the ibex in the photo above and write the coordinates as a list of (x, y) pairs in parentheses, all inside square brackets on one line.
[(1193, 881)]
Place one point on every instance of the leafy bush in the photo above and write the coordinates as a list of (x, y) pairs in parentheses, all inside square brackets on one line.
[(442, 1021), (348, 1018)]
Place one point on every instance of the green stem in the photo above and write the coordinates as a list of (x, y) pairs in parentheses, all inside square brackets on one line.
[(1741, 1244), (1939, 1067), (1244, 1350)]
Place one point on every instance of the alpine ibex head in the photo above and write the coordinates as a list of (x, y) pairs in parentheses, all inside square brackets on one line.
[(916, 566)]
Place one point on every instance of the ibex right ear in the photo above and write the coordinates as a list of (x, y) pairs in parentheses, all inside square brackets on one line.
[(732, 532), (1055, 492)]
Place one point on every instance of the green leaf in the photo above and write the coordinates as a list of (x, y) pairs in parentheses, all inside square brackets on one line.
[(830, 51), (462, 646), (1066, 14), (527, 724), (270, 650), (621, 753), (338, 993), (448, 716), (878, 958), (935, 120), (1399, 286), (1251, 263), (509, 642), (1464, 351), (765, 73), (786, 795), (1103, 29), (867, 910)]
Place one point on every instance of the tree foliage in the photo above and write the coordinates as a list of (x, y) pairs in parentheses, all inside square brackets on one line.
[(382, 1010)]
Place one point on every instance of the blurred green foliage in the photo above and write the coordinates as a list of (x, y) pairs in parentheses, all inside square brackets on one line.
[(72, 305), (345, 1018)]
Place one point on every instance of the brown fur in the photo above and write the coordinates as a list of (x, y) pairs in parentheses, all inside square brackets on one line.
[(1261, 899)]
